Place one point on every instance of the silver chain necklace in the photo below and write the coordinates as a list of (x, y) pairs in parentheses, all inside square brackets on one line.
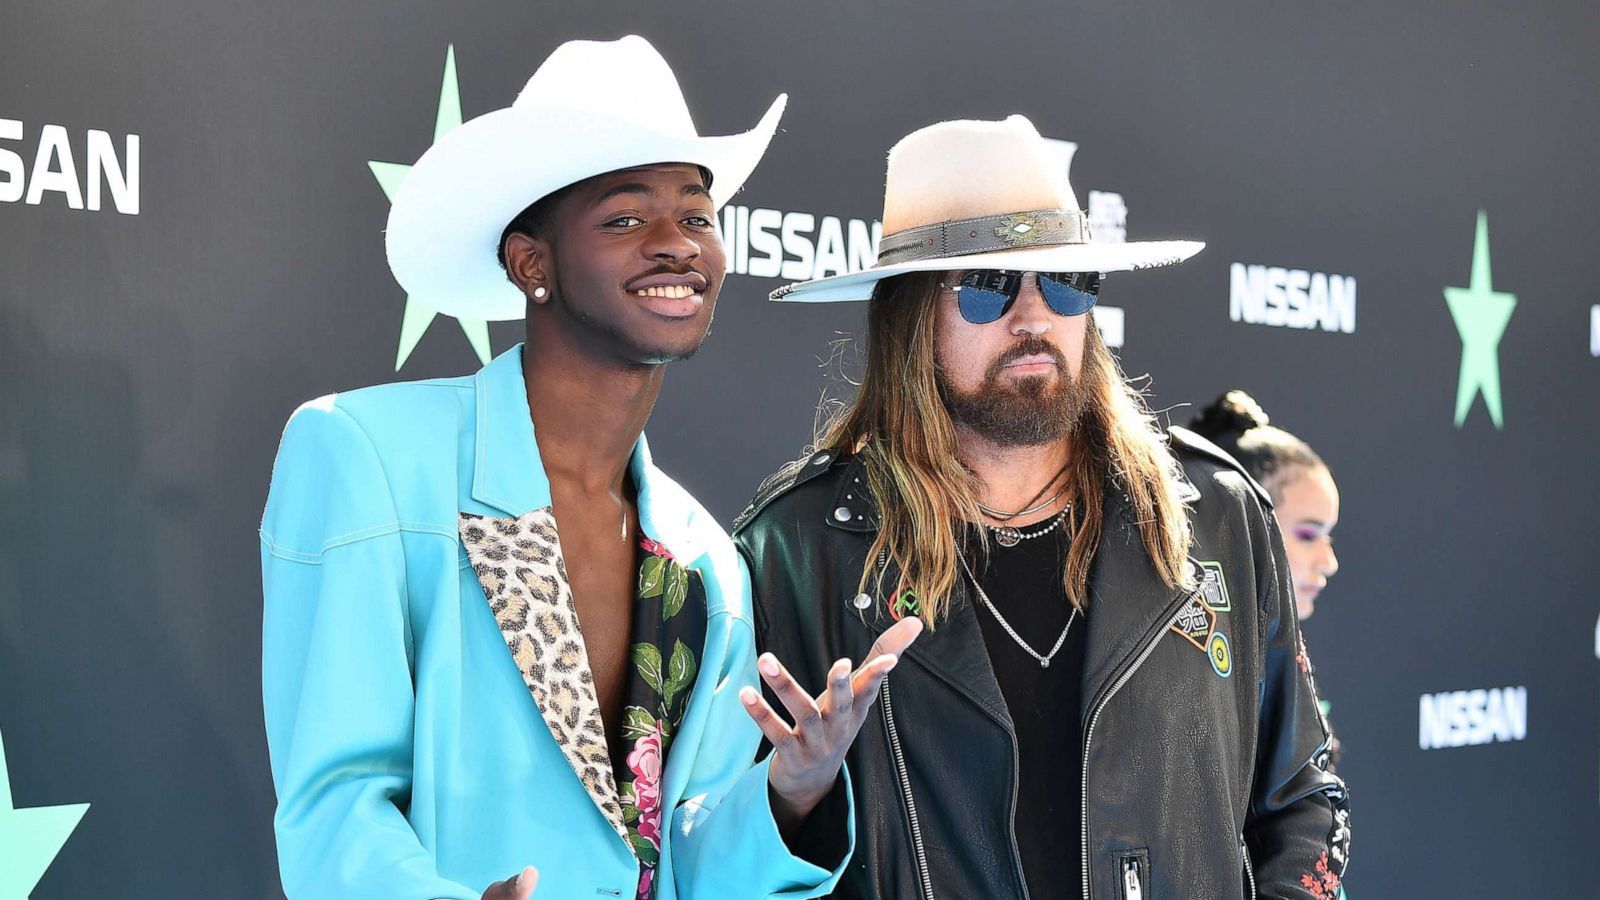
[(1044, 659), (1003, 516), (1010, 535)]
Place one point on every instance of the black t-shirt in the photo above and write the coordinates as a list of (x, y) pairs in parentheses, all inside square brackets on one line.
[(1025, 584)]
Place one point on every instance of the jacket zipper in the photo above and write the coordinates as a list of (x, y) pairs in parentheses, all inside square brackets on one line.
[(1131, 889), (905, 779), (1249, 868), (923, 878), (1095, 718)]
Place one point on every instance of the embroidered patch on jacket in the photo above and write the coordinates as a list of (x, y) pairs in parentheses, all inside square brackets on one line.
[(904, 603), (1213, 588), (524, 578), (1195, 622), (1221, 655), (1339, 841), (1324, 882)]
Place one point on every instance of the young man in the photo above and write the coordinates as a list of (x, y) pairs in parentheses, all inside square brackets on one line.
[(501, 647), (1111, 701)]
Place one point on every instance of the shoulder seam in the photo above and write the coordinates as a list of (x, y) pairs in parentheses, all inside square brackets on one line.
[(355, 537), (793, 474), (1192, 441)]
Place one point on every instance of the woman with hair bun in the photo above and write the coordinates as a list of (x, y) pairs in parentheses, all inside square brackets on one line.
[(1304, 495)]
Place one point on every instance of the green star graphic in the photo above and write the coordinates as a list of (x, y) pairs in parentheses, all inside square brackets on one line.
[(30, 838), (1481, 315), (419, 315)]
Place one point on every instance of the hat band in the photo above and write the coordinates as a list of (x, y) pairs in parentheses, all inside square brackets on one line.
[(985, 234)]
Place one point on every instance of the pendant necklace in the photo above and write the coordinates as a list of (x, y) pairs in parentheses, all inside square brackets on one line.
[(1010, 536), (1043, 658)]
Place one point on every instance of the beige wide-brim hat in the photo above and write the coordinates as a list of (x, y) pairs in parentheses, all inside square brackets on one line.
[(983, 195), (592, 107)]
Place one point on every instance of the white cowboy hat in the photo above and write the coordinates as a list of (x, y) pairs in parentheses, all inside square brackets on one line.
[(592, 107), (982, 195)]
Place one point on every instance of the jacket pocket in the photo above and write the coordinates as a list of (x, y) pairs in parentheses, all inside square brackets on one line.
[(1133, 871)]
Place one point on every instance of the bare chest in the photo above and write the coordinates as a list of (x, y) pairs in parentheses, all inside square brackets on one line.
[(600, 558)]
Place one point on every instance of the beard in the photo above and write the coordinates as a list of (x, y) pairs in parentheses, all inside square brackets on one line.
[(1028, 411)]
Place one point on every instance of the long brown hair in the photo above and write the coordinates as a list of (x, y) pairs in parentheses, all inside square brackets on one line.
[(898, 424)]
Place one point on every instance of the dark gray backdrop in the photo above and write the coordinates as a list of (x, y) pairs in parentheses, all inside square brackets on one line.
[(147, 362)]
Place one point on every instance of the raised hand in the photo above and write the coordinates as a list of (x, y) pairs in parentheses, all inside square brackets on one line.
[(807, 755), (517, 887)]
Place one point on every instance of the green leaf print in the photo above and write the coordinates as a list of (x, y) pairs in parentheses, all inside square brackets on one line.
[(677, 591), (648, 854), (647, 660), (653, 576), (637, 723), (680, 672)]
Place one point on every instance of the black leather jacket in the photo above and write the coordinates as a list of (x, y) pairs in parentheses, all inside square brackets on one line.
[(1203, 769)]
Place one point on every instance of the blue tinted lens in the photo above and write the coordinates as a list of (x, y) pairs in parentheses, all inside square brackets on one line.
[(1063, 298), (979, 305)]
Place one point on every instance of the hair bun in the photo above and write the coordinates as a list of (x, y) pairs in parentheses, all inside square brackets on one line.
[(1233, 413)]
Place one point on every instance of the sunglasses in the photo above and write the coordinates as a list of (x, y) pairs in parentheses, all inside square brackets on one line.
[(984, 295)]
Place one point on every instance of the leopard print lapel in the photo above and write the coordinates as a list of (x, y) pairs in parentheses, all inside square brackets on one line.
[(519, 564)]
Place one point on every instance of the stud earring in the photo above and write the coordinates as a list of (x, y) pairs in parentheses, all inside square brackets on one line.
[(539, 292)]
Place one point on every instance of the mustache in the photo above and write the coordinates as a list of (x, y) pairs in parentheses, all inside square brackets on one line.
[(689, 269), (1032, 345)]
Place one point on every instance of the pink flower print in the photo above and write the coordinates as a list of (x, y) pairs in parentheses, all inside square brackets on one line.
[(645, 762), (1325, 883), (647, 879), (654, 547)]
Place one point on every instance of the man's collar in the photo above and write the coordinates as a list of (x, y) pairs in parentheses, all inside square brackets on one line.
[(508, 473), (854, 508)]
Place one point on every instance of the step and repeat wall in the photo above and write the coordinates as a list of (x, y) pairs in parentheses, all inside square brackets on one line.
[(1401, 210)]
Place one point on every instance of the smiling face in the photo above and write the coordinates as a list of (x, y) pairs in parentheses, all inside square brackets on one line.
[(1308, 510), (1015, 381), (630, 262)]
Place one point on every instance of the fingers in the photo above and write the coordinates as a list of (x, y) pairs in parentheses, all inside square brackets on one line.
[(838, 713), (522, 886), (895, 640), (840, 699), (866, 680), (518, 887), (885, 654), (772, 727), (793, 697)]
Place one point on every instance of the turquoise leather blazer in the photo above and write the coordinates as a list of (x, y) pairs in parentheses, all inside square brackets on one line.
[(411, 757)]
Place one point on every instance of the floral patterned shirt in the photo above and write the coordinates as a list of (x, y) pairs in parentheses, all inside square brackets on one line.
[(668, 635)]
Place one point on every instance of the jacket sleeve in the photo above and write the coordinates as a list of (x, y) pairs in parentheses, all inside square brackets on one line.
[(726, 843), (336, 671), (1298, 828)]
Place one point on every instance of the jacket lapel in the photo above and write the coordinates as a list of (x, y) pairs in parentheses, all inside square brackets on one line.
[(954, 652), (1129, 604), (518, 562), (666, 511), (507, 472)]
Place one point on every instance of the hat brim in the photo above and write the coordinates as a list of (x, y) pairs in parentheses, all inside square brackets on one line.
[(447, 217), (1090, 257)]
